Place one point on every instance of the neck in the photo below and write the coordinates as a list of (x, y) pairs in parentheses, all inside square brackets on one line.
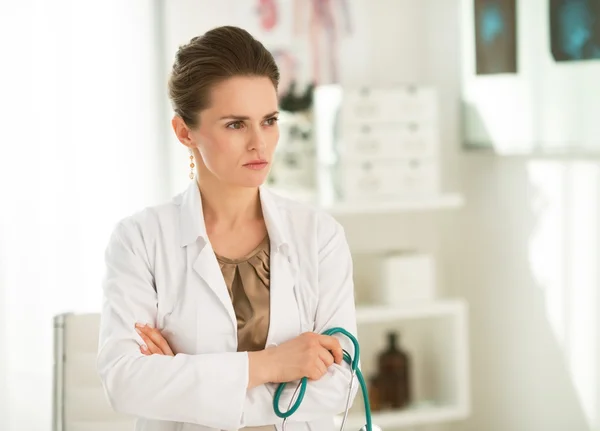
[(228, 206)]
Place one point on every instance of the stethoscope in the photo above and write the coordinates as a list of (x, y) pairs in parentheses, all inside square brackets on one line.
[(301, 388)]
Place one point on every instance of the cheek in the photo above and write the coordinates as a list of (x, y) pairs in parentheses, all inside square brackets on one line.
[(216, 148), (274, 138)]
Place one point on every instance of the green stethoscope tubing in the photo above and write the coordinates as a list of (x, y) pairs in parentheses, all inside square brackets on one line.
[(353, 362)]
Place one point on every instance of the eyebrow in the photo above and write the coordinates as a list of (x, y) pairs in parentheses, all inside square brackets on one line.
[(242, 117)]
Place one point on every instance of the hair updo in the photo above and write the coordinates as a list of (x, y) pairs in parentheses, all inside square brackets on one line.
[(221, 53)]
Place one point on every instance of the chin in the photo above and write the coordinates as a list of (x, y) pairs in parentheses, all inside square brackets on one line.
[(251, 180)]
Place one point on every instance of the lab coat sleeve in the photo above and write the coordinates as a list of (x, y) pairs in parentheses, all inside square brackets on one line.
[(207, 389), (327, 396)]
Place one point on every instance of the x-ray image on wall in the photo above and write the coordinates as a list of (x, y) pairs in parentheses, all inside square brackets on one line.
[(495, 36), (575, 29)]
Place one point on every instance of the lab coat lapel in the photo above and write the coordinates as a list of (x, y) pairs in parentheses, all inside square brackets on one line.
[(193, 235), (207, 267), (285, 320), (284, 314)]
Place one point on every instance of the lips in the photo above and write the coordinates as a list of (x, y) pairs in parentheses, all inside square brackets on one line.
[(256, 164)]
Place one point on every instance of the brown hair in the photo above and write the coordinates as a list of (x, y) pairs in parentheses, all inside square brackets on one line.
[(219, 54)]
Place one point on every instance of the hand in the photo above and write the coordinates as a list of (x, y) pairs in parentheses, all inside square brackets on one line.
[(155, 342), (308, 355)]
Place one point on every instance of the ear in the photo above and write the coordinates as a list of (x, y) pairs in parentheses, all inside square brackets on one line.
[(182, 131)]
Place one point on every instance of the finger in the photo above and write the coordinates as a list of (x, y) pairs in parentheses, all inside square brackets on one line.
[(160, 341), (319, 370), (333, 345), (326, 357), (322, 368), (157, 338), (150, 346)]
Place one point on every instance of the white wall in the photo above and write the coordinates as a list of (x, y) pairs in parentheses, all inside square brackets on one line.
[(524, 254), (534, 327), (3, 340)]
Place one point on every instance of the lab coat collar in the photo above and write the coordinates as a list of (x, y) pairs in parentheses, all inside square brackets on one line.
[(192, 223)]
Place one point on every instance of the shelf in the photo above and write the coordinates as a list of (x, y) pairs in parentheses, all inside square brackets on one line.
[(417, 310), (445, 201), (436, 335), (441, 202), (410, 417)]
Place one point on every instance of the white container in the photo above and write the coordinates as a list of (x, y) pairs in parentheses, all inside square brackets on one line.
[(396, 140), (401, 103), (405, 278), (418, 178), (387, 178)]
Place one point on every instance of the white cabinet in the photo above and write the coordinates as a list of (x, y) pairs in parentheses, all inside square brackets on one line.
[(378, 144)]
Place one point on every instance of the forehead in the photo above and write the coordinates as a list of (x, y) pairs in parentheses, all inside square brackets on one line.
[(244, 96)]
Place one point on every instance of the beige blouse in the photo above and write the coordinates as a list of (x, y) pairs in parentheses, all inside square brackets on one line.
[(248, 282)]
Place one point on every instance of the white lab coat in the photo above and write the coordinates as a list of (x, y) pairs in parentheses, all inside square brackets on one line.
[(161, 270)]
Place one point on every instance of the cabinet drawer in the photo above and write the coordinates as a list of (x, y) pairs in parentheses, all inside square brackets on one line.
[(399, 103), (388, 178), (401, 140)]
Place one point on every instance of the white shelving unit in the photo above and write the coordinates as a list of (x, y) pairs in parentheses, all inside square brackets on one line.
[(449, 347)]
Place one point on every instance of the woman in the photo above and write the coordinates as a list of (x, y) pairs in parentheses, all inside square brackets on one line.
[(213, 299)]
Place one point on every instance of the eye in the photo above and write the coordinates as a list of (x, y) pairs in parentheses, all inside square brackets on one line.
[(271, 121), (236, 125)]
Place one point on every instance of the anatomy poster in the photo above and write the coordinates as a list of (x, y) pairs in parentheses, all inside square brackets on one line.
[(269, 21), (313, 41)]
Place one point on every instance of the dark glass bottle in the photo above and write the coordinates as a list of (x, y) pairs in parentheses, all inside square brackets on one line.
[(394, 374)]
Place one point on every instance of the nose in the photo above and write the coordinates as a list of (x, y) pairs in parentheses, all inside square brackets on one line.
[(257, 142)]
